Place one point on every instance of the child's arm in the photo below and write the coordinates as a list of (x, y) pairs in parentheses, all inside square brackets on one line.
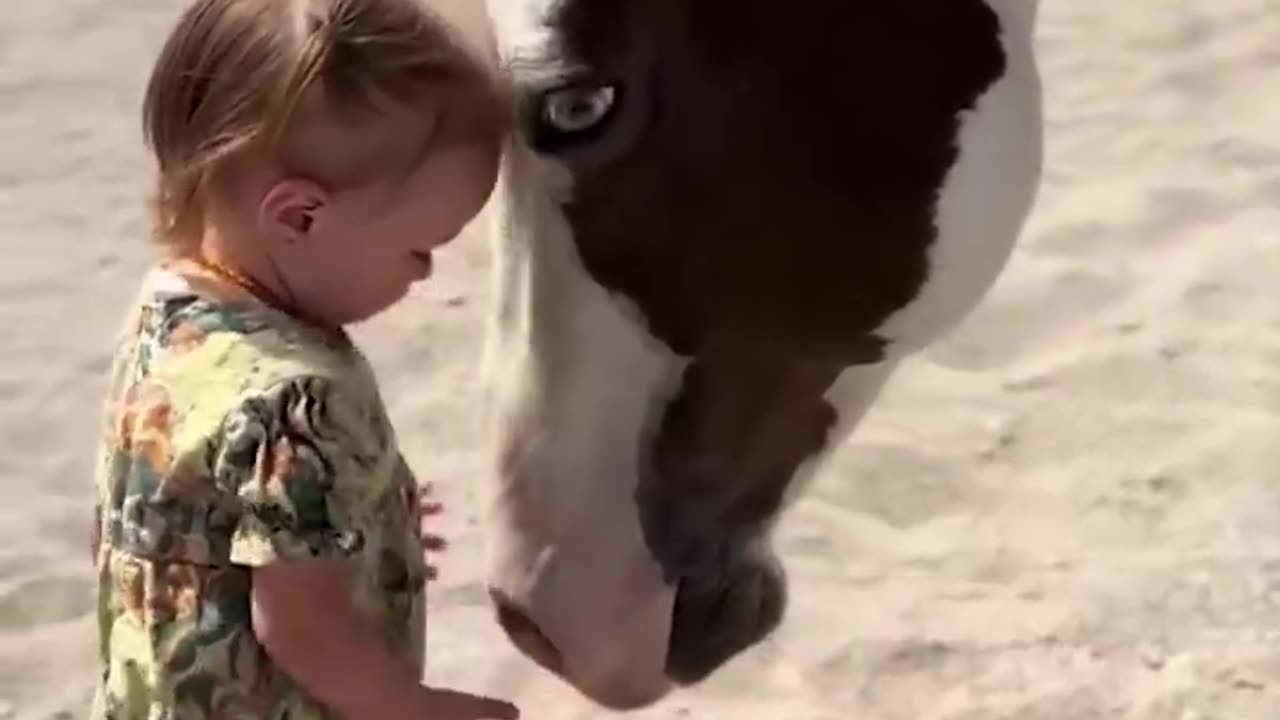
[(304, 619), (297, 455)]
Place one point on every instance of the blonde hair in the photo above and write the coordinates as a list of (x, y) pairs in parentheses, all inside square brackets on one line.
[(240, 76)]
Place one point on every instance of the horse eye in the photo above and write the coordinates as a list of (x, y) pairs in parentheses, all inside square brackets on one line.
[(572, 110)]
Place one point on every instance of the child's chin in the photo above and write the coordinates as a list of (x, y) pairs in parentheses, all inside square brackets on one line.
[(377, 308), (354, 315)]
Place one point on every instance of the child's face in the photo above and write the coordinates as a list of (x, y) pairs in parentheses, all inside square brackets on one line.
[(363, 248)]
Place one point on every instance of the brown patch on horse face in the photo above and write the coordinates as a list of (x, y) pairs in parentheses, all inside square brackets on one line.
[(764, 193), (783, 180), (745, 417)]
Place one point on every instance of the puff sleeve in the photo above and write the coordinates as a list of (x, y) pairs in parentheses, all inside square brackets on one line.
[(298, 460)]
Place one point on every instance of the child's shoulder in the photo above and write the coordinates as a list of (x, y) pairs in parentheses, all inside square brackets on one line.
[(211, 353), (204, 390)]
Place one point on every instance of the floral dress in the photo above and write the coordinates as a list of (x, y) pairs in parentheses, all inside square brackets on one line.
[(237, 436)]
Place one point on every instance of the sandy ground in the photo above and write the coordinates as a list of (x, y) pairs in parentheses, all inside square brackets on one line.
[(1069, 510)]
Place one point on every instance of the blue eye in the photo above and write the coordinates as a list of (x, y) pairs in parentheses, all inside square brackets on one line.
[(573, 110), (585, 120)]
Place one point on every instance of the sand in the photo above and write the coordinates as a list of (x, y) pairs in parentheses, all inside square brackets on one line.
[(1070, 509)]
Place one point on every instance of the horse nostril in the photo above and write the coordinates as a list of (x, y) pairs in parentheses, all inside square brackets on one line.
[(526, 634)]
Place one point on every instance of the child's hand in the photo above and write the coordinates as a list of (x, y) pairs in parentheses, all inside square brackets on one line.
[(304, 617), (431, 543), (439, 704)]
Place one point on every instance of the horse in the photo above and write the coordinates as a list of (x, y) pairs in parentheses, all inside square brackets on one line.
[(720, 227)]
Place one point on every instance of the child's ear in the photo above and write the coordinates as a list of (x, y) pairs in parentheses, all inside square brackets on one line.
[(290, 206)]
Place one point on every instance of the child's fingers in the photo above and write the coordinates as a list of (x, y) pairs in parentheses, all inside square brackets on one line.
[(431, 542), (462, 706), (426, 501)]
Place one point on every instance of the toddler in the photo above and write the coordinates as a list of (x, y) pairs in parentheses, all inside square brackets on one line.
[(257, 534)]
